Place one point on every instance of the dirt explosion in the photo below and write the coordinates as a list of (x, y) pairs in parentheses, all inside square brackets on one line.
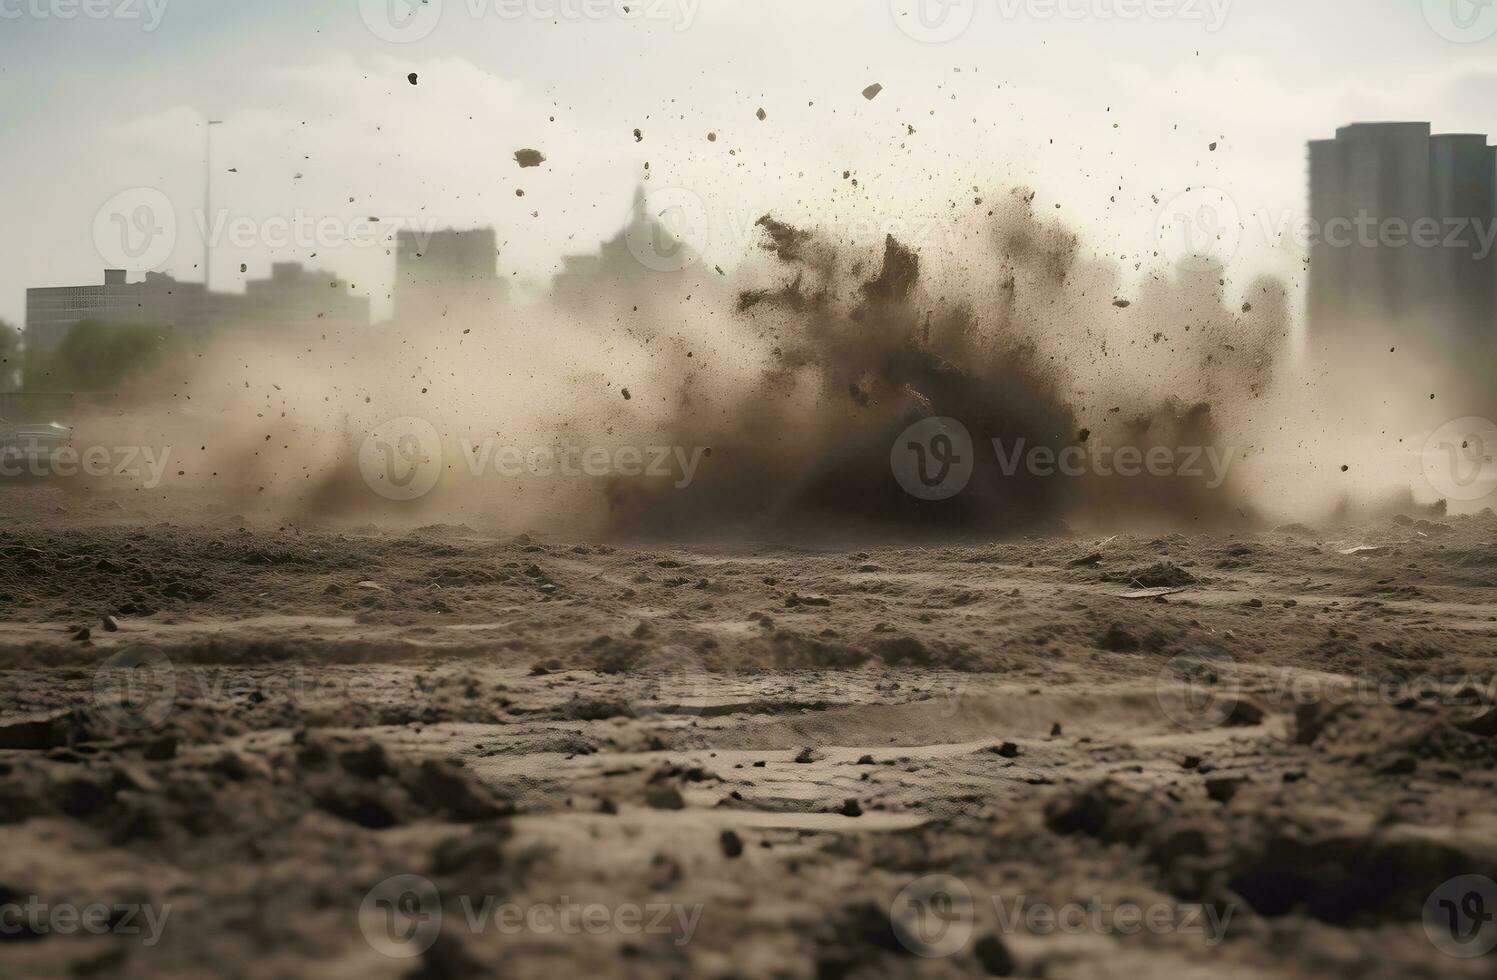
[(781, 393)]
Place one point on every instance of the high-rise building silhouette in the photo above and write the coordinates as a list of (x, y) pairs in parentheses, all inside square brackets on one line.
[(642, 259), (448, 273), (1402, 252)]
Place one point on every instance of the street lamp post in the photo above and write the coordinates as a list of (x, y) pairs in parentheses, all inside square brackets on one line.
[(208, 222)]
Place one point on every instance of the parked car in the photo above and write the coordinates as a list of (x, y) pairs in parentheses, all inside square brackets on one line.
[(27, 451)]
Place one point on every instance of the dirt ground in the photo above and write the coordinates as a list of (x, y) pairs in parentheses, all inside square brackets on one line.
[(739, 761)]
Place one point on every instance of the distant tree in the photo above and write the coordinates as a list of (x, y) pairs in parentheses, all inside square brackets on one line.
[(100, 357), (10, 357)]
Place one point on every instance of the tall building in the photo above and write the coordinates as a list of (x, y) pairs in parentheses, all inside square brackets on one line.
[(292, 298), (448, 273), (299, 299), (51, 312), (1463, 174), (1401, 253), (638, 261)]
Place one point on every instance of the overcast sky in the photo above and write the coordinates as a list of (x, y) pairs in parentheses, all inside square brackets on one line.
[(1110, 117)]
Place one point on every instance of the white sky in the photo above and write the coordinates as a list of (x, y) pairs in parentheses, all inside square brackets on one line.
[(91, 106)]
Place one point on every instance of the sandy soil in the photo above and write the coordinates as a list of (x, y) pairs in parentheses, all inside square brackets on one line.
[(800, 763)]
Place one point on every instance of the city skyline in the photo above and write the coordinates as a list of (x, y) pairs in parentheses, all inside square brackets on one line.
[(330, 115), (1405, 225)]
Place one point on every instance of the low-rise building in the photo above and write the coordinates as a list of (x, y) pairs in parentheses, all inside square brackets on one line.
[(293, 298)]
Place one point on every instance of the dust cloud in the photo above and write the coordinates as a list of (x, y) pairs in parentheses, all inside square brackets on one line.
[(768, 402)]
